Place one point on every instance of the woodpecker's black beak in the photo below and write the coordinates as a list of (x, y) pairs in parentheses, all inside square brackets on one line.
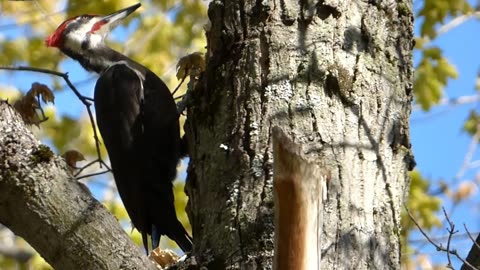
[(108, 22)]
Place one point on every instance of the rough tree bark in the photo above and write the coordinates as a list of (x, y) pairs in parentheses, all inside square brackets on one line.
[(337, 77), (41, 202)]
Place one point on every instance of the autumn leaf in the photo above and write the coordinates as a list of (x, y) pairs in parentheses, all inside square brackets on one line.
[(29, 105), (192, 64), (43, 91), (71, 158)]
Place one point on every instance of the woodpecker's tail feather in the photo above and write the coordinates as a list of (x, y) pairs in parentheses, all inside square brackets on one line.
[(145, 242), (178, 234)]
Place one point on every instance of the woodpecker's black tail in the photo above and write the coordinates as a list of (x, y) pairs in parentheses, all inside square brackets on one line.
[(177, 234)]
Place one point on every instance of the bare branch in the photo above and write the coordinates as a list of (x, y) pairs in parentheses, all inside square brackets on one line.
[(471, 237), (90, 164), (473, 257), (180, 84), (437, 246), (92, 174), (58, 217), (451, 231), (457, 236), (86, 101)]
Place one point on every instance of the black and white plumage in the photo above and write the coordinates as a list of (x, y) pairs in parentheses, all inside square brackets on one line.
[(138, 120)]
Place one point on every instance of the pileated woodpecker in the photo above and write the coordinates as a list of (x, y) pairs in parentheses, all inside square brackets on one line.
[(138, 120)]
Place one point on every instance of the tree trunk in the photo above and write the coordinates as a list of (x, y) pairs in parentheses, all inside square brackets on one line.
[(41, 202), (336, 76)]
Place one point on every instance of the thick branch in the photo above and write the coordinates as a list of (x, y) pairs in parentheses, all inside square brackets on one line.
[(40, 201)]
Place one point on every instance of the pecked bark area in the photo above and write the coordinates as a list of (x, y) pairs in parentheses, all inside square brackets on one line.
[(336, 76), (57, 215)]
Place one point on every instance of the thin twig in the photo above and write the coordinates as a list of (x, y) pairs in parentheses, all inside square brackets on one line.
[(180, 84), (105, 164), (180, 97), (471, 237), (85, 100), (108, 169), (451, 231), (422, 240), (85, 167), (437, 246), (92, 174), (44, 117), (82, 98)]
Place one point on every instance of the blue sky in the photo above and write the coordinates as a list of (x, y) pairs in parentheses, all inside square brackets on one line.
[(438, 141)]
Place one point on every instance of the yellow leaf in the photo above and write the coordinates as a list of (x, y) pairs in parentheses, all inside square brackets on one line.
[(433, 52), (9, 93), (192, 64), (163, 258)]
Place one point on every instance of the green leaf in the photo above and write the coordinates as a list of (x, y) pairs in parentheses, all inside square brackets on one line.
[(472, 122), (431, 77), (435, 12)]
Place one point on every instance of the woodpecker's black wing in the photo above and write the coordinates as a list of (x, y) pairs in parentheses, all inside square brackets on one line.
[(138, 120)]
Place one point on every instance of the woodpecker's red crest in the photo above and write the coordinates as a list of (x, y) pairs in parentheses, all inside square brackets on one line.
[(86, 30)]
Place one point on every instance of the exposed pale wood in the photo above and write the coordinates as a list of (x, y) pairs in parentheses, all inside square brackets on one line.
[(298, 184)]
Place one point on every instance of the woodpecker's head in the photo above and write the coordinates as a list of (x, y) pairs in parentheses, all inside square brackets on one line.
[(85, 32)]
